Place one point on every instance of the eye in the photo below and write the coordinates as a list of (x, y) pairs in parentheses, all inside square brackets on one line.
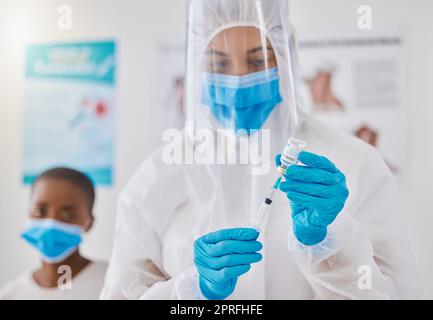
[(38, 212), (220, 66), (257, 63), (68, 215)]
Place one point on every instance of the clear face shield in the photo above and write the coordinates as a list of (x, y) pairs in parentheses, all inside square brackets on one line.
[(240, 79), (240, 70)]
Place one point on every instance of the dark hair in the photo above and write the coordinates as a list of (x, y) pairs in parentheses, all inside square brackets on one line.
[(73, 176)]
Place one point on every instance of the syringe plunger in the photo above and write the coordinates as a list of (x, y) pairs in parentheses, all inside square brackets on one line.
[(264, 209)]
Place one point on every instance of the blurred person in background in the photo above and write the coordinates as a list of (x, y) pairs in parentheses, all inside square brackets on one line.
[(60, 213)]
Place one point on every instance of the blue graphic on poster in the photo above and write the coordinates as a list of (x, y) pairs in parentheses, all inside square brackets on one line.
[(69, 109)]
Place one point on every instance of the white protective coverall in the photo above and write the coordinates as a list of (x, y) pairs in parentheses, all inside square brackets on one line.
[(164, 208)]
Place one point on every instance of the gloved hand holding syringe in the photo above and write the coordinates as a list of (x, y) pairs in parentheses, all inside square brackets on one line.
[(289, 157)]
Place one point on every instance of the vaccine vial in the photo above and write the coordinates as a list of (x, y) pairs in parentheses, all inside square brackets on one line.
[(290, 154)]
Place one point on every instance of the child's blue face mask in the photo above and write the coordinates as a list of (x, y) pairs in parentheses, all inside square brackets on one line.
[(54, 240), (242, 102)]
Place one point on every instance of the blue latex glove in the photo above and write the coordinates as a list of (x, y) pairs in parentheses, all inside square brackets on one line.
[(222, 256), (317, 194)]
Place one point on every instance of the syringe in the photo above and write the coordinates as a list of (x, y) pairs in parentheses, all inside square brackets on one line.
[(265, 207), (289, 157)]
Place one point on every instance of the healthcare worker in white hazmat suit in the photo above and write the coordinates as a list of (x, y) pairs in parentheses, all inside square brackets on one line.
[(335, 230)]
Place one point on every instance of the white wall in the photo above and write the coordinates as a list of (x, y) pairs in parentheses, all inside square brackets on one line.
[(139, 26)]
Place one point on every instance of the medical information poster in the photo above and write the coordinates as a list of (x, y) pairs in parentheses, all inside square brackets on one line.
[(169, 89), (359, 83), (69, 104)]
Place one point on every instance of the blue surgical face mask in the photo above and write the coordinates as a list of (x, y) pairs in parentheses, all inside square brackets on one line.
[(242, 102), (53, 239)]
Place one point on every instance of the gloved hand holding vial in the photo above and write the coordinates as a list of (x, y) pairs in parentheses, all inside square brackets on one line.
[(289, 157)]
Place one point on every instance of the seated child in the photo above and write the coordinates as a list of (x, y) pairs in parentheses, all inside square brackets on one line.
[(61, 211)]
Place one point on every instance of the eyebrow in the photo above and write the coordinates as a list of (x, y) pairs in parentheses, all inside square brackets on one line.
[(69, 207), (260, 48), (39, 204), (216, 52)]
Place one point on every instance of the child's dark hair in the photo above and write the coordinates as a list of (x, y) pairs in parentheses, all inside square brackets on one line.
[(73, 176)]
